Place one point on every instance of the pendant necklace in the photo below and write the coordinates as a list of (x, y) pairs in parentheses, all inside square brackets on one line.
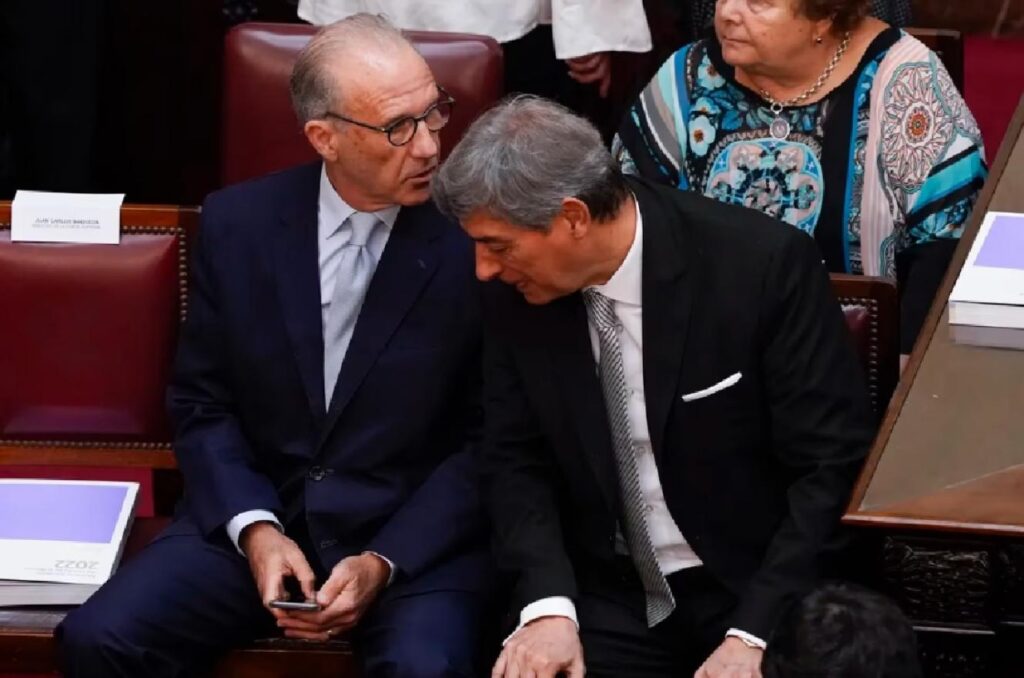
[(780, 128)]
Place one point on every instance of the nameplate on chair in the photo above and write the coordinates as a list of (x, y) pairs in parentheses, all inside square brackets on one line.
[(93, 218)]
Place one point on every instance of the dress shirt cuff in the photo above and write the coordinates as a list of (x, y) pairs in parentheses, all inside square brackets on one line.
[(247, 518), (391, 566), (555, 606), (749, 639)]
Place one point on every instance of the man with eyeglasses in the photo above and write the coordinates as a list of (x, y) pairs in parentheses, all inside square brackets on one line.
[(326, 401)]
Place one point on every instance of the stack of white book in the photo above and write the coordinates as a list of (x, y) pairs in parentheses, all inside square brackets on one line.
[(986, 306), (60, 540)]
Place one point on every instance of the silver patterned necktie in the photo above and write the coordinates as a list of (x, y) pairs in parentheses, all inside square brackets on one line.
[(355, 269), (660, 601)]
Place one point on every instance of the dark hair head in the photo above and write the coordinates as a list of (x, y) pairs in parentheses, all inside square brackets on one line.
[(842, 631), (845, 14)]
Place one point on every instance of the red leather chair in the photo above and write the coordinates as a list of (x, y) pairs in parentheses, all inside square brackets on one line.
[(88, 342), (871, 308), (91, 334), (86, 351), (259, 131)]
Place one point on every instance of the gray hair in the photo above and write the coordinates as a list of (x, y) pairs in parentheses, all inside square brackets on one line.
[(314, 88), (521, 159)]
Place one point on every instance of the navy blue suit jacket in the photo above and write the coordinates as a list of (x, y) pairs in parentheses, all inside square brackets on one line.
[(390, 466)]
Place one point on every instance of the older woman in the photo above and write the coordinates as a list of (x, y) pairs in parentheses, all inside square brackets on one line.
[(830, 120)]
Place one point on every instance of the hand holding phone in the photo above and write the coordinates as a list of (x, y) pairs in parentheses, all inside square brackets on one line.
[(296, 605)]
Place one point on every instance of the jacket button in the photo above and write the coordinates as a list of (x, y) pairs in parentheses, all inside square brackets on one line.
[(317, 473)]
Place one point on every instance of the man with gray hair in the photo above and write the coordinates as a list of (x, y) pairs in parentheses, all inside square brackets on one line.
[(326, 397), (674, 413)]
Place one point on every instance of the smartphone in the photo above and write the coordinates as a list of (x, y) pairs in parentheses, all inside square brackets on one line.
[(300, 605)]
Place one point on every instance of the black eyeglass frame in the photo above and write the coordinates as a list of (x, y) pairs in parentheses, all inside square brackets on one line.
[(447, 100)]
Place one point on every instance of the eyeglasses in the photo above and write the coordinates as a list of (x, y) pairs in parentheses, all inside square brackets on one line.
[(402, 131)]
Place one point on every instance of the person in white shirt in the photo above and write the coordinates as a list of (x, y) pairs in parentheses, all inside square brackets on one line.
[(673, 412), (536, 35)]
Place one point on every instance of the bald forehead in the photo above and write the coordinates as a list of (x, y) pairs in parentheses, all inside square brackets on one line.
[(347, 45), (385, 83), (358, 58), (377, 60)]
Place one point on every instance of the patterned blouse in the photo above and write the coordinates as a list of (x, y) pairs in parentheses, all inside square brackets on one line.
[(889, 160)]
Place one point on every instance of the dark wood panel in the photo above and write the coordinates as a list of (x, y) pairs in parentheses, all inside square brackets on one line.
[(963, 597), (80, 455)]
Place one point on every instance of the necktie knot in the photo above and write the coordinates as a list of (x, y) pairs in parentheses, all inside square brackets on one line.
[(601, 309), (362, 225), (356, 265)]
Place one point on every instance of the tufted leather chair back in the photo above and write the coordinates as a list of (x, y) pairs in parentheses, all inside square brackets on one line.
[(259, 131), (870, 307), (90, 332)]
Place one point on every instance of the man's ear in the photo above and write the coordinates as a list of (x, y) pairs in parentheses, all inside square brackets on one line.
[(321, 136), (577, 217)]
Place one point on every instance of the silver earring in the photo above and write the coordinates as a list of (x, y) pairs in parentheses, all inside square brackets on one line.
[(818, 39)]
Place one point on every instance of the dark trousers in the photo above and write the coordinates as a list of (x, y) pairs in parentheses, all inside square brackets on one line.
[(614, 632), (183, 601)]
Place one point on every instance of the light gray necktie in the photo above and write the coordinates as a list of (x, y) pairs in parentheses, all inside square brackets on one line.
[(660, 601), (355, 269)]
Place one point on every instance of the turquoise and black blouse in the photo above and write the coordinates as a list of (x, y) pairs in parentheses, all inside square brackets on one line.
[(882, 172)]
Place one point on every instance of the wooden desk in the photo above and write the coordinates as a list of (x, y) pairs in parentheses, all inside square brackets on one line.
[(945, 478)]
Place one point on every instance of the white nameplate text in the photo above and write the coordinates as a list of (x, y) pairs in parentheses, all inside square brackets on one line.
[(66, 217)]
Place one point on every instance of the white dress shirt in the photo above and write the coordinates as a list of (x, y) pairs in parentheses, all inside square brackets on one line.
[(579, 27), (670, 547), (332, 212)]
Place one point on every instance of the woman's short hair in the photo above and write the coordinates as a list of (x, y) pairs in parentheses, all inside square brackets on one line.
[(845, 14)]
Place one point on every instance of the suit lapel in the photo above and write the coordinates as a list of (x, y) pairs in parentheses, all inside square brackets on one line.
[(667, 301), (408, 263), (574, 371), (297, 270)]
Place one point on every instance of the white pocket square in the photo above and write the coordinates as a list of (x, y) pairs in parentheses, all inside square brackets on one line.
[(711, 390)]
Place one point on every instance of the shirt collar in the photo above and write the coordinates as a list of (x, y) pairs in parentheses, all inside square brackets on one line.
[(626, 284), (334, 211)]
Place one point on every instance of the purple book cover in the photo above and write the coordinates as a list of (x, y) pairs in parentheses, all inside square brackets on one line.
[(60, 512), (1004, 244)]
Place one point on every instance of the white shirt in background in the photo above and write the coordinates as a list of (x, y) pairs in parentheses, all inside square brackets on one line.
[(580, 27)]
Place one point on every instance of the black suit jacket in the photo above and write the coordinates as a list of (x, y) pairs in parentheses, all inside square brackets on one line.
[(756, 476)]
